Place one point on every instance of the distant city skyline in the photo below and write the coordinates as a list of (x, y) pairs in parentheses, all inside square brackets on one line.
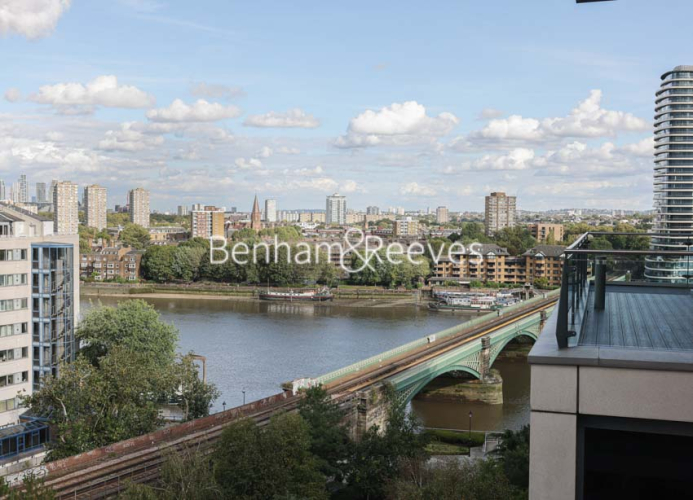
[(210, 103)]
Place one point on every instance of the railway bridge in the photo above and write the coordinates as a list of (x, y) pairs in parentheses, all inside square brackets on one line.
[(471, 347)]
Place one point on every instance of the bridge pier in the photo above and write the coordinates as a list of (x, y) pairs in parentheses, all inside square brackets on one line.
[(487, 391)]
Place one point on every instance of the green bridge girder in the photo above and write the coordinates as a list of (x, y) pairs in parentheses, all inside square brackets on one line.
[(465, 358)]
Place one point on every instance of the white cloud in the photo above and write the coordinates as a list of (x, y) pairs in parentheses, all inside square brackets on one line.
[(284, 150), (249, 163), (416, 189), (55, 136), (489, 113), (644, 148), (587, 120), (350, 186), (31, 18), (199, 111), (215, 91), (517, 159), (294, 118), (129, 139), (304, 172), (13, 94), (147, 6), (403, 123), (101, 91), (265, 152)]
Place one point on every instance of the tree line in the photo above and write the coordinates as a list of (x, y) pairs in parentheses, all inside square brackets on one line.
[(310, 455)]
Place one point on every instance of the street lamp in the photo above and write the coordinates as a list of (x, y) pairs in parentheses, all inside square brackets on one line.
[(470, 424), (243, 391), (223, 405)]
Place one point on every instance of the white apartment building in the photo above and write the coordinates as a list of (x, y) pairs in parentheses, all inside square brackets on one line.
[(65, 208), (95, 202), (138, 200), (336, 209), (38, 311), (271, 210)]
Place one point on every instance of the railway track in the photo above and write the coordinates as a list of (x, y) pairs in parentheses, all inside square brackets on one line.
[(110, 476)]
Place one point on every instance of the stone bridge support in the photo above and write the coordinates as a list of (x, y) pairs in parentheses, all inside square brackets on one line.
[(365, 409)]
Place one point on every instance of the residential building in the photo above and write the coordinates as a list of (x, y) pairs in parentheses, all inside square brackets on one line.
[(355, 217), (65, 208), (499, 212), (111, 263), (183, 210), (673, 175), (95, 204), (3, 191), (406, 227), (256, 216), (490, 262), (543, 232), (372, 211), (23, 187), (167, 235), (336, 209), (442, 215), (39, 306), (611, 377), (41, 196), (138, 202), (207, 223), (271, 210)]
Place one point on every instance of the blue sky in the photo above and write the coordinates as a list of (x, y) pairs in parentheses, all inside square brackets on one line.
[(391, 103)]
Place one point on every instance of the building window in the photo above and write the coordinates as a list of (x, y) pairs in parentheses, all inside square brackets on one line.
[(13, 279), (12, 304), (8, 404), (12, 354), (13, 254), (15, 329), (13, 379)]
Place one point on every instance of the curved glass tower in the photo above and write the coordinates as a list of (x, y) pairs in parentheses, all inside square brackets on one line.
[(673, 175)]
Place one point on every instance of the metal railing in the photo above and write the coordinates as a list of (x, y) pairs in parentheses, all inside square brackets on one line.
[(627, 262)]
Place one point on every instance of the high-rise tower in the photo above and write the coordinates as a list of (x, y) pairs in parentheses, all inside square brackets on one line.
[(673, 174)]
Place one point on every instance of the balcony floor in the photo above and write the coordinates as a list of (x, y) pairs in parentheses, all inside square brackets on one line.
[(641, 317)]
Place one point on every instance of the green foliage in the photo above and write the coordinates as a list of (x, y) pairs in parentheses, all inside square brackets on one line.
[(476, 480), (169, 220), (32, 488), (513, 456), (134, 325), (135, 236), (381, 271), (329, 437), (272, 462), (186, 473), (114, 389), (456, 437), (541, 283), (283, 233), (117, 219), (379, 456), (516, 239)]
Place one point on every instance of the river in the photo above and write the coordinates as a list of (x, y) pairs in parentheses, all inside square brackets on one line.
[(255, 346)]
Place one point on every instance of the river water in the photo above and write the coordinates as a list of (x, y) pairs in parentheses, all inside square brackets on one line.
[(255, 346)]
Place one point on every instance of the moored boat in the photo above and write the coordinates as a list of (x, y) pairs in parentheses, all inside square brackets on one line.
[(300, 296)]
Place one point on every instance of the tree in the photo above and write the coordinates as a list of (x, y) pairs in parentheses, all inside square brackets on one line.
[(135, 236), (475, 480), (134, 325), (32, 488), (541, 282), (380, 455), (273, 462), (114, 389), (158, 263), (329, 436), (513, 455), (516, 239)]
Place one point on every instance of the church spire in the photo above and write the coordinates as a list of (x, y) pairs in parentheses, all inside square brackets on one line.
[(256, 216)]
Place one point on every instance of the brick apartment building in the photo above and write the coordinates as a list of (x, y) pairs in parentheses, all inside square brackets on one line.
[(491, 262), (111, 263)]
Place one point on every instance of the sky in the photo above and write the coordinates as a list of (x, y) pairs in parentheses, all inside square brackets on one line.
[(413, 104)]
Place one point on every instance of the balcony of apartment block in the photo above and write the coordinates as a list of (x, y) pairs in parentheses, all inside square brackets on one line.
[(612, 375)]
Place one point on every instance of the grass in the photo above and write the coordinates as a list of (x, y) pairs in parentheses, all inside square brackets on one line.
[(459, 438), (437, 448)]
